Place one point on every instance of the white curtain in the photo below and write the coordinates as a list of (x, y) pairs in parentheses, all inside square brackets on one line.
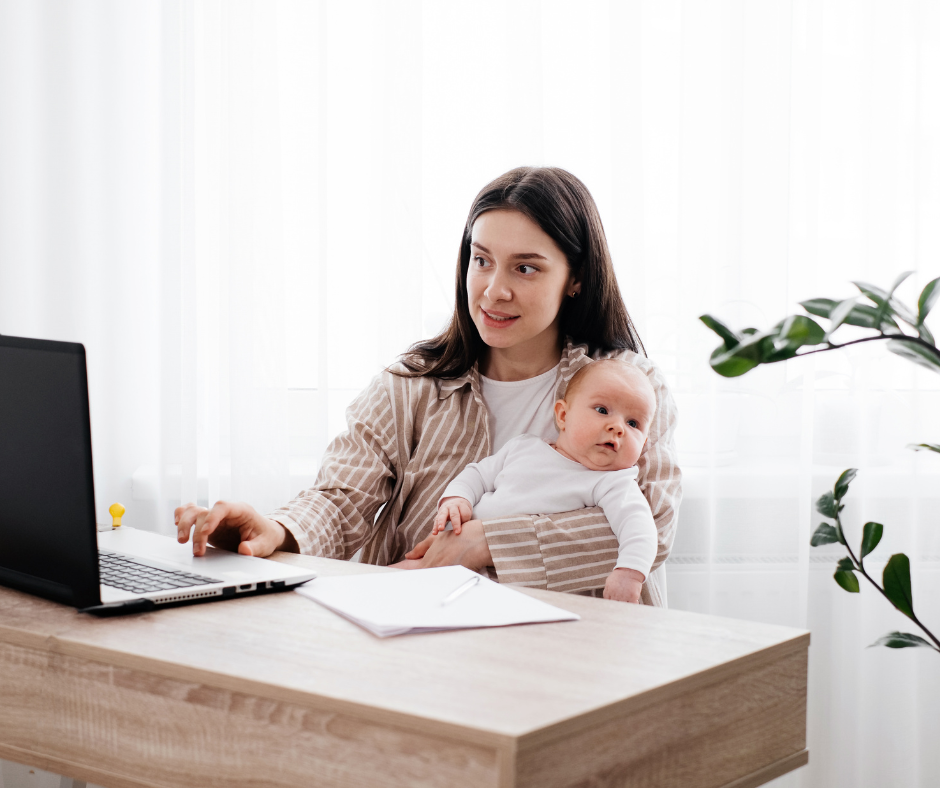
[(246, 209)]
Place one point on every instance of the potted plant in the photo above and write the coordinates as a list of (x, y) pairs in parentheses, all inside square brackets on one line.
[(906, 334)]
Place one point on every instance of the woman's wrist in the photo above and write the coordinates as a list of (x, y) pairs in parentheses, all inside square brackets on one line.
[(481, 554), (288, 544)]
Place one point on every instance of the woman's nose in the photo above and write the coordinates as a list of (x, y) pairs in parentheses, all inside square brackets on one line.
[(498, 288)]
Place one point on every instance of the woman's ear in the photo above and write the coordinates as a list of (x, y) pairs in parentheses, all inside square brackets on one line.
[(561, 411), (573, 288)]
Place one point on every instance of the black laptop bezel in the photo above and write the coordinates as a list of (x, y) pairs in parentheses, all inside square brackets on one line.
[(80, 586)]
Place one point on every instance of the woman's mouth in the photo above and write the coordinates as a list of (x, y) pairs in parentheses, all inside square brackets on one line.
[(498, 319)]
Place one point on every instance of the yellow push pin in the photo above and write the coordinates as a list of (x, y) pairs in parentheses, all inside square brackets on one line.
[(117, 511)]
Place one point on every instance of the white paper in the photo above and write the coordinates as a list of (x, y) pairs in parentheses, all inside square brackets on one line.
[(395, 603)]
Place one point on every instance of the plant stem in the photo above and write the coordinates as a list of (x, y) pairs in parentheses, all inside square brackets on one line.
[(881, 591), (905, 337)]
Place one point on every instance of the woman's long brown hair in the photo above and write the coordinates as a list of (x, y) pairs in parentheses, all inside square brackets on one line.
[(563, 207)]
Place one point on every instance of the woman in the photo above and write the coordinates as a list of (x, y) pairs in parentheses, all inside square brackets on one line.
[(536, 300)]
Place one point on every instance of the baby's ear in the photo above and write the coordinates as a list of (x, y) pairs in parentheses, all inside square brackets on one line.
[(561, 410)]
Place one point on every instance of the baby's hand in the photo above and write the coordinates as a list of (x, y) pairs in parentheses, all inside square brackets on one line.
[(457, 510), (624, 585)]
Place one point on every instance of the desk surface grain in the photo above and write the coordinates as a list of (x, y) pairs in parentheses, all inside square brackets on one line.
[(553, 703)]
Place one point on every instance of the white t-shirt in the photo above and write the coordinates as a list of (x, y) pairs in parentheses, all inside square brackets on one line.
[(521, 406), (527, 476)]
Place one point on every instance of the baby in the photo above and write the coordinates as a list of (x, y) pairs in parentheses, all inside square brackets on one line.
[(603, 423)]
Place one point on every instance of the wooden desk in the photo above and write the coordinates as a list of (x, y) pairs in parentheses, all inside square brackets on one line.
[(277, 691)]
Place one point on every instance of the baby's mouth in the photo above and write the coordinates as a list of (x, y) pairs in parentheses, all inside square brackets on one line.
[(610, 445)]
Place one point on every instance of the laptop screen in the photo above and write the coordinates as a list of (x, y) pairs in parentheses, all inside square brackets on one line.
[(47, 499)]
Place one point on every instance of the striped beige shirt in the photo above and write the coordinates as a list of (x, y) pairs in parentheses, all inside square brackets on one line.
[(408, 437)]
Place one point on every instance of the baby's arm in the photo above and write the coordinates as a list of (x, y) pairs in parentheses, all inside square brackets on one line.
[(631, 520), (466, 490)]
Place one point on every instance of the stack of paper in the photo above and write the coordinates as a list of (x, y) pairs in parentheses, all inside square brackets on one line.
[(395, 603)]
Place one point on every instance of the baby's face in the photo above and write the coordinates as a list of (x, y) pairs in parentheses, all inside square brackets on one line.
[(605, 423)]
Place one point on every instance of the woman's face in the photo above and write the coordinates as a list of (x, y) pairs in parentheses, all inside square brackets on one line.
[(517, 280)]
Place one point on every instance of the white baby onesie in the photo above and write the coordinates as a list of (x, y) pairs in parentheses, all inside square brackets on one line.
[(527, 476)]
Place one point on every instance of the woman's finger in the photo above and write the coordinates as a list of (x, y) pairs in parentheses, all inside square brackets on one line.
[(420, 549), (185, 520), (469, 548), (260, 538), (206, 525), (253, 546)]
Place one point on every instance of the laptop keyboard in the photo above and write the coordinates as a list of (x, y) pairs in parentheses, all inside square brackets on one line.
[(122, 571)]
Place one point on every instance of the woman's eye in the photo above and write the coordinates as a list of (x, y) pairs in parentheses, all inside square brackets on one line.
[(527, 269), (601, 409), (480, 262)]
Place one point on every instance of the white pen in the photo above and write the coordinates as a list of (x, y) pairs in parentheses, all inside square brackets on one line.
[(460, 590)]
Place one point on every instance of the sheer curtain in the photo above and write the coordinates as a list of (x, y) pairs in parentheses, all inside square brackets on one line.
[(245, 210)]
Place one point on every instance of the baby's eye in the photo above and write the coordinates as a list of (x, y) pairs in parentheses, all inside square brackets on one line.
[(633, 423), (601, 409)]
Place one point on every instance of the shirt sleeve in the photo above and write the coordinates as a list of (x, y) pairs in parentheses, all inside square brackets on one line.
[(659, 477), (571, 551), (630, 519), (576, 551), (478, 478), (334, 517)]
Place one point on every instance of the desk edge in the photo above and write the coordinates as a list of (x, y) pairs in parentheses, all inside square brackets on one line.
[(664, 692)]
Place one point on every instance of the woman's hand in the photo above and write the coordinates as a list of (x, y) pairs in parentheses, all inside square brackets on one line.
[(232, 526), (468, 548)]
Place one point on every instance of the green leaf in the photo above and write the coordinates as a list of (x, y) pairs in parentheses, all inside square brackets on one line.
[(727, 335), (790, 335), (838, 315), (726, 364), (928, 297), (897, 583), (871, 535), (825, 534), (847, 580), (804, 330), (897, 282), (886, 304), (924, 333), (845, 564), (914, 351), (743, 357), (842, 483), (894, 304), (862, 315), (826, 505), (928, 446), (901, 640), (821, 307)]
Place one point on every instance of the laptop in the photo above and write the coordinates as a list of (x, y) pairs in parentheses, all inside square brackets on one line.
[(49, 542)]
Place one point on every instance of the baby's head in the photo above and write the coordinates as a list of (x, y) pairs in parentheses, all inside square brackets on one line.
[(604, 419)]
